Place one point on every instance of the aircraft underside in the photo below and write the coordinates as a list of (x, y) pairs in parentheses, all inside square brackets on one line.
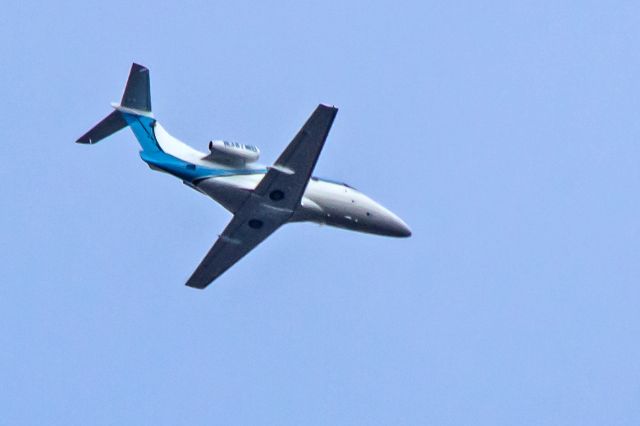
[(260, 199), (323, 202)]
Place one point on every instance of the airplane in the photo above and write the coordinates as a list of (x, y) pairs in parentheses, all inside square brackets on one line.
[(260, 198)]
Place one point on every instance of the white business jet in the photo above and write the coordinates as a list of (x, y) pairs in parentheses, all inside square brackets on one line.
[(260, 198)]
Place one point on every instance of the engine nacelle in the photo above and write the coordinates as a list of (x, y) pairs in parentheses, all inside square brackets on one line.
[(232, 152)]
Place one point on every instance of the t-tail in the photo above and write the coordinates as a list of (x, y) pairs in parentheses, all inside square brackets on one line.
[(136, 100)]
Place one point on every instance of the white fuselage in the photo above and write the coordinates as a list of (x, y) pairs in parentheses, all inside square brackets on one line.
[(323, 202)]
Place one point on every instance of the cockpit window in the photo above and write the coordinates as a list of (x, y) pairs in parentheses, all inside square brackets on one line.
[(331, 181)]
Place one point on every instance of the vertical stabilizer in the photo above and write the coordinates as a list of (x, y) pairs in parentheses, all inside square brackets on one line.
[(137, 93)]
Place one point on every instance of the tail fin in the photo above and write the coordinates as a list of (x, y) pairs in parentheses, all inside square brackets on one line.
[(136, 99), (137, 94)]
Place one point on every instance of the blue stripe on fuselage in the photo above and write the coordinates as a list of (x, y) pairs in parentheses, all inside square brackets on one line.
[(153, 155)]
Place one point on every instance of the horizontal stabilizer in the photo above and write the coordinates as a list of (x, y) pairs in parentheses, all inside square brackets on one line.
[(111, 124)]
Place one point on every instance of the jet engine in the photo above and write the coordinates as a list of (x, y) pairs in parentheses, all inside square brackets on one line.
[(232, 152)]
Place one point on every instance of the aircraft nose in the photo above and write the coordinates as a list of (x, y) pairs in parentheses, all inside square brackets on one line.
[(392, 225), (383, 221), (397, 228)]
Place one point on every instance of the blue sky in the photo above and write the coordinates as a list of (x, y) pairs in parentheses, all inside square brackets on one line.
[(505, 133)]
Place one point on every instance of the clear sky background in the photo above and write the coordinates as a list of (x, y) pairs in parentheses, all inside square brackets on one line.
[(506, 134)]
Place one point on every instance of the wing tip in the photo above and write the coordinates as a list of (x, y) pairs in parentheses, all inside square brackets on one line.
[(327, 105), (196, 285), (138, 67)]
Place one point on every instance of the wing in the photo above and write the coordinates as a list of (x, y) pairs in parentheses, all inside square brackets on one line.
[(242, 234), (287, 179), (273, 201)]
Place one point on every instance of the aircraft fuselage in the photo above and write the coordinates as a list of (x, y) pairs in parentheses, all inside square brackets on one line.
[(323, 202)]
